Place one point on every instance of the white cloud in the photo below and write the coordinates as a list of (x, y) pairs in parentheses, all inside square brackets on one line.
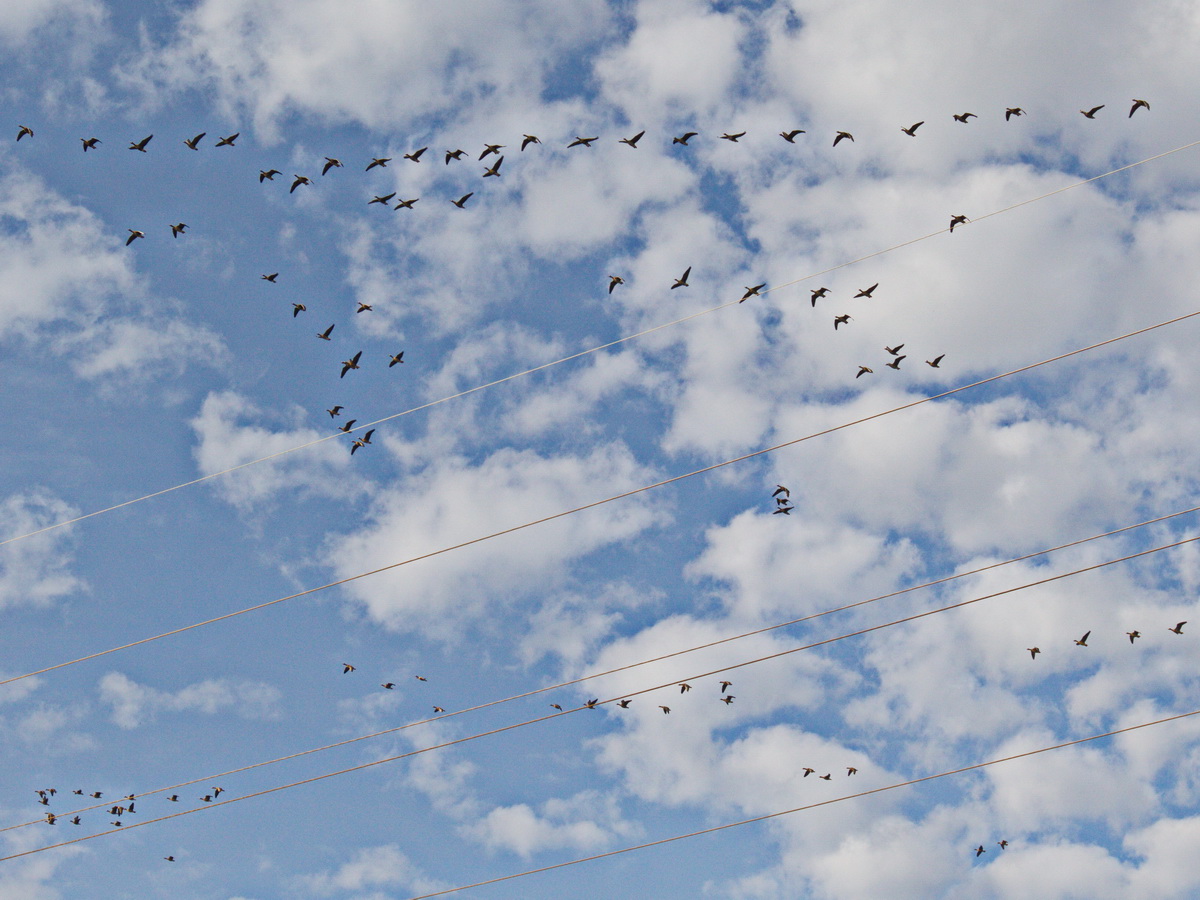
[(36, 571), (585, 822), (384, 866), (133, 703), (19, 20)]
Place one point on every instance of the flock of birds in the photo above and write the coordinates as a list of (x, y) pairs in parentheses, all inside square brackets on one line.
[(781, 495)]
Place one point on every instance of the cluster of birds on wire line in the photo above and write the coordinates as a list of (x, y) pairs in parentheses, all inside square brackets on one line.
[(781, 496)]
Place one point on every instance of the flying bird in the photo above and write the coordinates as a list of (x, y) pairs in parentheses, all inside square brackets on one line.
[(90, 143), (492, 148), (385, 199), (666, 709), (682, 280), (75, 820), (347, 668), (169, 858), (351, 363), (228, 140), (357, 445), (1013, 111), (684, 138), (957, 220), (783, 510), (438, 709), (96, 794), (494, 170), (406, 204), (271, 278), (894, 351), (177, 230), (828, 776), (25, 130), (1033, 652), (324, 335), (461, 201), (867, 292), (298, 308), (624, 704), (790, 136), (420, 678), (726, 685), (330, 163), (752, 292), (527, 139), (453, 154), (727, 699), (335, 411), (864, 370), (348, 426), (911, 130), (398, 358), (936, 362), (613, 281), (582, 141), (363, 307), (1002, 844), (134, 234), (1137, 104), (632, 141), (591, 704), (194, 143), (819, 292), (300, 179), (979, 851), (850, 770), (415, 156), (962, 117), (1178, 629), (174, 798), (840, 320), (1091, 113), (380, 161), (141, 145), (1082, 642), (1133, 635), (556, 706), (733, 137), (684, 687), (895, 363), (842, 136), (267, 175), (779, 489)]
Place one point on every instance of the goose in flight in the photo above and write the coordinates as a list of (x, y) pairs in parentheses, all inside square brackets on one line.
[(420, 678), (894, 351), (228, 140), (808, 770), (398, 358), (1013, 111), (351, 363), (666, 709), (556, 706), (842, 136), (790, 136), (298, 308), (1082, 642), (624, 704), (819, 292), (177, 230), (682, 280), (330, 163), (632, 141), (415, 156), (726, 685), (348, 426), (911, 130), (380, 161), (957, 220), (335, 411), (895, 363), (527, 139), (90, 143), (134, 234), (25, 130), (828, 776), (582, 141), (684, 687), (438, 709), (1133, 635), (867, 292), (963, 117), (864, 370), (752, 292), (979, 851), (936, 362), (1091, 113), (453, 154), (347, 668), (1137, 104), (1178, 629), (684, 138), (363, 307), (385, 199), (194, 143), (267, 175), (1033, 652), (141, 145), (779, 489), (300, 179), (727, 699), (324, 335), (613, 281), (733, 137), (850, 770), (494, 170), (462, 201), (492, 148), (840, 320), (783, 510), (406, 204), (271, 277)]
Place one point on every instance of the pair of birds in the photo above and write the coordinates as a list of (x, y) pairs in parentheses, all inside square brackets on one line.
[(980, 850), (681, 281), (1132, 635)]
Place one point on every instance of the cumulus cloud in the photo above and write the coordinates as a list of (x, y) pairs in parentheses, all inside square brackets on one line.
[(381, 867), (133, 703), (36, 571)]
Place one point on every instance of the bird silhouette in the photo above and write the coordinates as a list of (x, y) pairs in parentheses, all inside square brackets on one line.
[(850, 770), (271, 277), (733, 137), (726, 685), (347, 668), (492, 148), (752, 292), (90, 143), (894, 351), (867, 292), (911, 130), (406, 204), (398, 358), (842, 136), (684, 138), (936, 362), (613, 281), (527, 139), (957, 220), (388, 685), (24, 130), (324, 335), (194, 143), (582, 142), (384, 199), (808, 770), (438, 709), (380, 161), (453, 154), (633, 141), (979, 851), (1178, 629), (228, 140), (1013, 111), (895, 363), (1137, 104), (334, 412), (331, 163), (177, 230), (461, 201), (840, 320), (1082, 642), (666, 709), (864, 370), (267, 175), (298, 308), (134, 234), (348, 426), (624, 704), (1033, 652), (415, 156), (684, 687), (727, 699), (300, 179), (963, 117), (682, 280), (819, 292), (1091, 113), (351, 363), (1133, 635), (790, 136), (141, 145), (363, 307), (494, 170)]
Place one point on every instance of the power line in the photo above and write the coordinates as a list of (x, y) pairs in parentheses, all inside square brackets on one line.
[(786, 812), (339, 434), (595, 503), (513, 726)]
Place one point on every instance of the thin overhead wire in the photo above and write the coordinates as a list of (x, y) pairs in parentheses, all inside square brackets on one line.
[(808, 806), (591, 705), (625, 339), (596, 503)]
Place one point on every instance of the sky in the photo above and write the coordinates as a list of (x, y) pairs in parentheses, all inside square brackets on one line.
[(535, 385)]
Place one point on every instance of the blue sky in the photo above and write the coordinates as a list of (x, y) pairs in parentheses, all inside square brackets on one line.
[(132, 368)]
